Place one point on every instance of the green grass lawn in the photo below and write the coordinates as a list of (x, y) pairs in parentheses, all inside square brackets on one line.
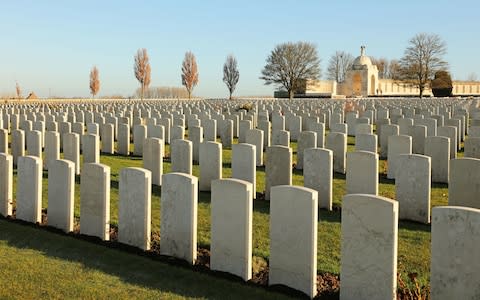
[(37, 264), (107, 269)]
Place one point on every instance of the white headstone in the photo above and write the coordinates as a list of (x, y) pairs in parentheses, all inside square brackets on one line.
[(451, 133), (281, 138), (293, 238), (266, 127), (386, 131), (71, 149), (306, 139), (438, 148), (166, 123), (107, 138), (363, 129), (397, 145), (319, 129), (351, 120), (64, 128), (418, 134), (412, 187), (295, 126), (368, 268), (255, 137), (210, 130), (93, 128), (6, 184), (458, 125), (178, 133), (404, 125), (181, 156), (243, 164), (455, 258), (380, 122), (40, 126), (178, 228), (231, 227), (139, 136), (61, 191), (123, 145), (278, 123), (4, 141), (278, 168), (91, 148), (226, 133), (366, 142), (34, 143), (431, 125), (134, 207), (79, 129), (195, 134), (339, 128), (153, 159), (472, 147), (474, 131), (243, 127), (29, 189), (52, 148), (210, 164), (362, 173), (18, 145), (464, 182), (318, 174), (337, 142), (95, 201)]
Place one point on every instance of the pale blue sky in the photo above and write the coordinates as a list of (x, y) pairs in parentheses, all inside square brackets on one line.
[(49, 47)]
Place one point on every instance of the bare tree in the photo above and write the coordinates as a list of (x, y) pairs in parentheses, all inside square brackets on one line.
[(383, 66), (472, 77), (189, 73), (18, 90), (394, 69), (142, 69), (162, 92), (387, 69), (94, 81), (231, 75), (422, 58), (338, 65), (291, 63)]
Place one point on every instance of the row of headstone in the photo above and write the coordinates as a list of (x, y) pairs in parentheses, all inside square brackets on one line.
[(277, 173), (327, 112), (329, 115), (151, 124), (369, 244), (413, 182)]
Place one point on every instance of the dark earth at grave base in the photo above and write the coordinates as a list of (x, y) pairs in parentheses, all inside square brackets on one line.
[(328, 285)]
